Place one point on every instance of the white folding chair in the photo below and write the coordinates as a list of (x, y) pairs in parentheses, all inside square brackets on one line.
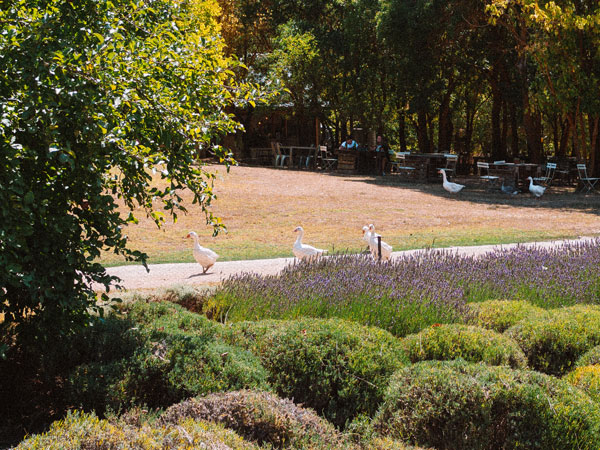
[(328, 162), (483, 169), (588, 183), (450, 167), (548, 176)]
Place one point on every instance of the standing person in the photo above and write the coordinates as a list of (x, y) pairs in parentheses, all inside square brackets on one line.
[(349, 144), (383, 157)]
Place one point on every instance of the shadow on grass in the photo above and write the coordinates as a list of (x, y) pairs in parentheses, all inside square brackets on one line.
[(556, 197)]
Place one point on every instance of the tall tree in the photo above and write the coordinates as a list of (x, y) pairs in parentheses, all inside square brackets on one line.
[(95, 96)]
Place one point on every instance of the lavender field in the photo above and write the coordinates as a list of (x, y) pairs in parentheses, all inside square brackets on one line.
[(413, 291)]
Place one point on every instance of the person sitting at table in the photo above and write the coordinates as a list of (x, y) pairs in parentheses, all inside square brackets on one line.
[(382, 152), (349, 144)]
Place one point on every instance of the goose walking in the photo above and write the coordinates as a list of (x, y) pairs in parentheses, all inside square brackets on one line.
[(386, 249), (204, 256), (305, 252), (535, 189), (453, 188)]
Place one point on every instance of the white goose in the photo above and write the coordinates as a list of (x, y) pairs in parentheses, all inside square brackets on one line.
[(386, 249), (204, 256), (305, 252), (453, 188), (367, 237), (535, 189)]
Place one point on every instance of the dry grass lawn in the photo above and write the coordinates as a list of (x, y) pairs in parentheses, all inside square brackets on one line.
[(261, 207)]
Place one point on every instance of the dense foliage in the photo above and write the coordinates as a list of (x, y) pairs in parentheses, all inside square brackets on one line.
[(177, 354), (261, 417), (83, 431), (499, 315), (443, 342), (95, 97), (586, 378), (496, 78), (553, 342), (338, 368), (457, 405), (413, 291)]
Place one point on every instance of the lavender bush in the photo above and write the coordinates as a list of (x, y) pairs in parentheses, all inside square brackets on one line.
[(413, 291)]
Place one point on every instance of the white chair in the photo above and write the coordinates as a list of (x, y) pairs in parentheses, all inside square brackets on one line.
[(483, 170), (588, 183), (399, 165), (450, 167), (326, 158), (548, 176), (500, 162)]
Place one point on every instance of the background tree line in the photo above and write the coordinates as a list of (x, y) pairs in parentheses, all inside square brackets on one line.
[(498, 78)]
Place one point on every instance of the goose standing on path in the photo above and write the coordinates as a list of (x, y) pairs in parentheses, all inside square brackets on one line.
[(453, 188), (367, 237), (535, 189), (386, 249), (305, 252), (204, 256)]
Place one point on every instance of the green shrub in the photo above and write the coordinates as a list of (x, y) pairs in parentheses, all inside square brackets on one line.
[(179, 355), (87, 432), (261, 417), (586, 378), (336, 367), (589, 358), (184, 295), (553, 342), (499, 315), (460, 405), (463, 341), (386, 443)]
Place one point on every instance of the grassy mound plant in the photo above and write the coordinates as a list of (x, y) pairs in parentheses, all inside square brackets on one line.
[(470, 343), (553, 342), (460, 405), (586, 378), (336, 367), (499, 315)]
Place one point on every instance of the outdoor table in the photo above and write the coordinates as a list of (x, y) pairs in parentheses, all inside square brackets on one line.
[(426, 165), (515, 174), (297, 152)]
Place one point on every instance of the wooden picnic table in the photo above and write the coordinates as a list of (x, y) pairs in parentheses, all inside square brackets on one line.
[(426, 165)]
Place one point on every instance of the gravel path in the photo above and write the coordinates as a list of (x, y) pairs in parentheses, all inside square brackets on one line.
[(163, 275)]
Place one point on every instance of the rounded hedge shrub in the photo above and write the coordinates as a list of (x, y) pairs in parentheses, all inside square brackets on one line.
[(553, 342), (460, 405), (442, 342), (589, 358), (179, 355), (260, 417), (586, 378), (499, 315), (82, 431), (386, 443), (336, 367)]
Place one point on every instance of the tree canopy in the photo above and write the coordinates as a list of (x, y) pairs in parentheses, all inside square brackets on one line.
[(95, 98)]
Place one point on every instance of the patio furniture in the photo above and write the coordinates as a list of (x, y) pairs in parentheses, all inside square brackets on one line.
[(399, 165), (347, 160), (327, 160), (587, 183), (260, 156), (548, 176), (483, 171), (281, 155), (450, 167)]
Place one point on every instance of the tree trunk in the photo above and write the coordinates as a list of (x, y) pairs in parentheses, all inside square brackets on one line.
[(402, 128), (514, 131), (445, 122), (497, 100), (422, 135)]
